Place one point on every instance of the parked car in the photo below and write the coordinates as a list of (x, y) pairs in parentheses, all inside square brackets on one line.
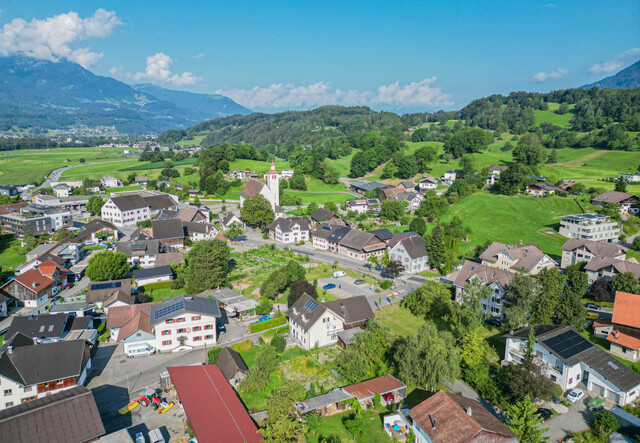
[(359, 282), (222, 328), (67, 286), (338, 274), (544, 413), (140, 350), (574, 395), (593, 306), (140, 438), (89, 243), (329, 286), (592, 316), (495, 322)]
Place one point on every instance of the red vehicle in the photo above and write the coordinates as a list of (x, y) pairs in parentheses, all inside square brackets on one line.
[(67, 286)]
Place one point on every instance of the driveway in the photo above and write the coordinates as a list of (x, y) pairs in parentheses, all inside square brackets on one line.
[(345, 287), (577, 418)]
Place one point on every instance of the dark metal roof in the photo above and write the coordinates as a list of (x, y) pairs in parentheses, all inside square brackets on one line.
[(129, 202), (167, 229), (160, 271), (183, 304), (39, 326), (151, 247), (68, 416), (383, 234), (339, 234), (352, 309), (230, 362), (306, 311)]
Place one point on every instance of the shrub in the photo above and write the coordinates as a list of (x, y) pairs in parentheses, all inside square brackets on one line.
[(243, 346), (104, 336), (386, 284), (213, 355), (279, 343), (178, 283), (604, 423), (159, 285)]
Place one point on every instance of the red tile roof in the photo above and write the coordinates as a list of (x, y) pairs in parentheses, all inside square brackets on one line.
[(48, 267), (379, 385), (622, 339), (33, 275), (130, 319), (602, 322), (453, 424), (212, 406), (626, 309)]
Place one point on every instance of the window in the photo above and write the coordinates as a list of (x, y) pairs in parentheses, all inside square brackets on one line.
[(198, 338), (197, 328), (169, 321), (167, 332), (210, 337), (8, 392), (8, 404), (28, 388), (181, 330), (166, 342), (179, 320), (195, 317), (208, 327)]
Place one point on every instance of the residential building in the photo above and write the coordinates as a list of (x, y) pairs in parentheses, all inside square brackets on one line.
[(383, 234), (589, 227), (9, 190), (389, 193), (141, 180), (628, 203), (321, 234), (197, 231), (141, 252), (30, 371), (110, 182), (184, 323), (169, 232), (413, 198), (359, 205), (498, 280), (130, 325), (289, 230), (361, 245), (526, 257), (193, 214), (569, 359), (411, 251), (270, 191), (18, 225), (214, 411), (542, 189), (36, 420), (334, 239), (233, 303), (494, 173), (361, 187), (406, 185), (107, 294), (577, 250), (232, 366), (624, 338), (450, 175), (129, 209), (287, 174), (30, 288), (149, 276), (609, 267), (317, 324), (427, 183), (47, 328), (97, 230), (323, 215), (62, 190), (228, 219), (450, 418), (631, 178), (12, 208)]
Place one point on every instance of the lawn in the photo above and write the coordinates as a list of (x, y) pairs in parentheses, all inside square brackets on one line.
[(513, 219), (258, 166), (400, 321), (332, 427), (32, 165), (163, 294), (591, 163), (195, 141), (9, 258), (124, 168), (321, 197), (551, 116)]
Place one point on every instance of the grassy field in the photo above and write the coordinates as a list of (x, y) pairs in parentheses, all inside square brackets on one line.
[(9, 259), (513, 219), (551, 116), (321, 197), (258, 166), (400, 321), (372, 427), (195, 141), (32, 165)]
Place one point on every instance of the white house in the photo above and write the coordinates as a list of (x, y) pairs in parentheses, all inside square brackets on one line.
[(411, 251), (130, 325), (270, 191), (568, 358), (289, 230), (525, 257), (200, 231), (450, 175), (62, 190), (496, 279), (359, 205), (140, 252), (152, 275), (287, 174), (589, 227), (126, 210), (228, 219), (184, 323), (30, 371), (427, 183), (631, 178), (110, 182), (317, 324)]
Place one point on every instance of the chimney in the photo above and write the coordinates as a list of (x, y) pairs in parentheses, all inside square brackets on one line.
[(469, 411), (9, 349), (34, 284), (616, 334)]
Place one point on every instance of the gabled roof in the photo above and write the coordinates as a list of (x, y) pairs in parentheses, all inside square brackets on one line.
[(201, 228), (157, 201), (321, 214), (486, 274), (325, 229), (369, 186), (228, 218), (39, 326), (189, 214), (352, 309), (306, 311), (383, 234), (525, 255), (360, 241), (414, 245), (621, 266), (129, 202), (496, 168), (130, 319), (600, 248), (147, 247), (287, 224), (408, 184), (214, 410), (167, 229), (454, 424), (230, 362), (429, 179), (626, 309), (41, 363), (158, 271), (337, 235), (253, 187), (183, 304), (379, 385), (31, 277), (613, 197), (99, 292), (67, 416)]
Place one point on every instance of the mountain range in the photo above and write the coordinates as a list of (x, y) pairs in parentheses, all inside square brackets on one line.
[(627, 78), (40, 94)]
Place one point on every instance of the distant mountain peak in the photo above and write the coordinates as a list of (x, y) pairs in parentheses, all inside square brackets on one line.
[(629, 77)]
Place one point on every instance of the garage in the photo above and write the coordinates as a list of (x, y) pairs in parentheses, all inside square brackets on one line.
[(599, 390), (613, 396)]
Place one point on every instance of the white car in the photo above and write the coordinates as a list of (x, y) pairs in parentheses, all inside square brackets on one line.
[(574, 395), (339, 274)]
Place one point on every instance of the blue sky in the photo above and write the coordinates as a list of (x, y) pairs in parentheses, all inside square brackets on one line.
[(404, 55)]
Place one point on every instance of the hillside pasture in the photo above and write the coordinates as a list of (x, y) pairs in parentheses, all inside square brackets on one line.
[(550, 115)]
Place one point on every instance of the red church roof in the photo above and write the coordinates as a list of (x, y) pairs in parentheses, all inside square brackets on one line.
[(273, 168)]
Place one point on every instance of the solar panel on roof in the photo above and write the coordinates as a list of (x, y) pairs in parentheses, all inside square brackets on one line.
[(568, 344), (311, 305), (168, 310), (107, 285), (326, 228)]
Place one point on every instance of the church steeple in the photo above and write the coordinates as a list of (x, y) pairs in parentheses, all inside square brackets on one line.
[(274, 184)]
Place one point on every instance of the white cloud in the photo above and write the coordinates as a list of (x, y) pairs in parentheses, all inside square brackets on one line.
[(198, 55), (553, 75), (158, 70), (287, 95), (620, 61), (54, 37)]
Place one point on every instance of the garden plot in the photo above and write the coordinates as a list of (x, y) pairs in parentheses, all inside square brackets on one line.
[(307, 371)]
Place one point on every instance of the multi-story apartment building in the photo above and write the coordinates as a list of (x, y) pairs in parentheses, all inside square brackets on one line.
[(184, 322), (129, 209), (589, 227), (18, 225), (577, 250), (496, 279), (525, 257), (289, 230), (411, 251)]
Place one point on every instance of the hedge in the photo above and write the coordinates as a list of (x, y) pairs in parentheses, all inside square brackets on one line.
[(159, 285), (243, 346), (263, 325)]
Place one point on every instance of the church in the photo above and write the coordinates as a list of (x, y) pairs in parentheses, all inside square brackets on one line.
[(270, 190)]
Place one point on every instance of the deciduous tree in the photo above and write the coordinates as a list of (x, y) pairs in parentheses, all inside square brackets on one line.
[(297, 288), (208, 266), (256, 211), (107, 265), (625, 282)]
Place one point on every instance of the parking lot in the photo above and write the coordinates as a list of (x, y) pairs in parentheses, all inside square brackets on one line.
[(345, 287)]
